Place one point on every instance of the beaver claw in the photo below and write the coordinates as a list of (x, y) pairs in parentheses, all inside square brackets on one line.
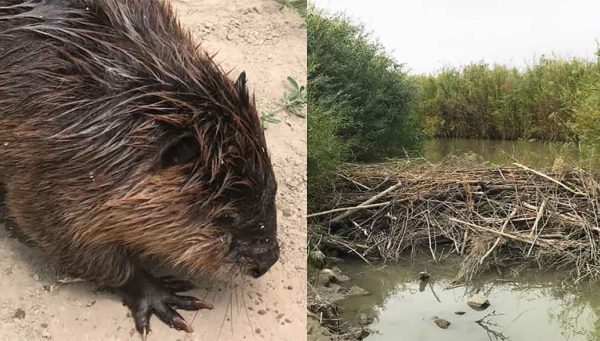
[(146, 295)]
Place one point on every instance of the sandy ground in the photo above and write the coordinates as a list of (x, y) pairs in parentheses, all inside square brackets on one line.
[(269, 44)]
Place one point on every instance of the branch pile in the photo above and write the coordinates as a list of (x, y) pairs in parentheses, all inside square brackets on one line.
[(492, 216)]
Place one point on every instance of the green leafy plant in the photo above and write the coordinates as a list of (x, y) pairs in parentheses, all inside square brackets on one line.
[(295, 100), (269, 118), (541, 102), (355, 68), (298, 5), (292, 102)]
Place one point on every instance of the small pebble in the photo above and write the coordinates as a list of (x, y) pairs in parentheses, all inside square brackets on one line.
[(257, 330), (442, 323), (19, 314), (262, 312), (36, 277)]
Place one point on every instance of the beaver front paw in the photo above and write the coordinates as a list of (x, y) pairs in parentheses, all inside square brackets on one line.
[(146, 295)]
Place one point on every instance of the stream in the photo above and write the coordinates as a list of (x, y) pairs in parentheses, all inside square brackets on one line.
[(531, 307), (537, 154)]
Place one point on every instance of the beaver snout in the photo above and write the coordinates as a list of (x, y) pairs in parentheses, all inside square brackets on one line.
[(256, 258), (263, 260)]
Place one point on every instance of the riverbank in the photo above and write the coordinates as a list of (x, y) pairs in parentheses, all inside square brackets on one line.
[(327, 287)]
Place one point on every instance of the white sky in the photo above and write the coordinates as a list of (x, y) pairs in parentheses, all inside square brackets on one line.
[(429, 34)]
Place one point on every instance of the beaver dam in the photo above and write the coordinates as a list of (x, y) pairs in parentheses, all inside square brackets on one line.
[(493, 217)]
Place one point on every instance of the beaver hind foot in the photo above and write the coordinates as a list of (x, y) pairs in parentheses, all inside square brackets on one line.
[(145, 295)]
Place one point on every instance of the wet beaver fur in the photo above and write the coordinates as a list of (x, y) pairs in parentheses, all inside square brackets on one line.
[(122, 144)]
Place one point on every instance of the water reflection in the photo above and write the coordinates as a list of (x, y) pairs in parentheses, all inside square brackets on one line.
[(532, 307), (538, 154)]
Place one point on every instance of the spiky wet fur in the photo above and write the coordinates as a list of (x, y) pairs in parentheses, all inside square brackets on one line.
[(90, 92)]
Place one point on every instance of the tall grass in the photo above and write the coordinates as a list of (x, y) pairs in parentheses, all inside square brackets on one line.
[(546, 101)]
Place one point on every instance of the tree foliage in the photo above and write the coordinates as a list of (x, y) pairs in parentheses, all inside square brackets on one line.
[(498, 102), (377, 92)]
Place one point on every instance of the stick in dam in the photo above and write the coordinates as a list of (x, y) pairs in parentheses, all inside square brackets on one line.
[(373, 199)]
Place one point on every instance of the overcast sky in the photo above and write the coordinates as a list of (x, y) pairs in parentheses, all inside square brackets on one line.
[(429, 34)]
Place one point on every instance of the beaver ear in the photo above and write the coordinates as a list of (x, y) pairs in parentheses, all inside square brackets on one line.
[(178, 150), (240, 86)]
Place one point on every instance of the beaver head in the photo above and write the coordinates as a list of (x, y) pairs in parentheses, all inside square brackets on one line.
[(192, 185), (224, 182)]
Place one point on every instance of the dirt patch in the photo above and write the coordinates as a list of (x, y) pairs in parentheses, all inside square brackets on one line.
[(269, 44)]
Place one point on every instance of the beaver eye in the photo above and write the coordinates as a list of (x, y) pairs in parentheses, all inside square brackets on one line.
[(226, 220), (178, 151)]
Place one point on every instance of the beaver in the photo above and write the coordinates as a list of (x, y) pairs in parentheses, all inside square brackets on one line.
[(124, 145)]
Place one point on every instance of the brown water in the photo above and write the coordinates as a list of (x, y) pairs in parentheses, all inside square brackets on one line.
[(533, 307), (538, 154)]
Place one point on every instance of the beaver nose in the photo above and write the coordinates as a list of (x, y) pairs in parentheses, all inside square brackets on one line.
[(263, 261)]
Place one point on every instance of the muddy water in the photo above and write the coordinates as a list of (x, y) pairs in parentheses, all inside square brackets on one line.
[(534, 307), (538, 154)]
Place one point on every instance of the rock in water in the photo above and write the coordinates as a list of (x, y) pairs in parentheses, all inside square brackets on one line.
[(335, 292), (478, 302), (356, 291), (339, 276), (442, 323), (327, 276)]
